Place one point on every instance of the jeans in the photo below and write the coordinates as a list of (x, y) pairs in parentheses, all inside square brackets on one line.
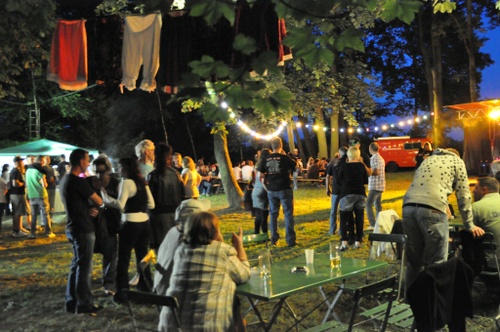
[(427, 232), (335, 199), (39, 206), (109, 258), (295, 180), (52, 201), (374, 198), (261, 218), (78, 288), (133, 235), (350, 204), (285, 197)]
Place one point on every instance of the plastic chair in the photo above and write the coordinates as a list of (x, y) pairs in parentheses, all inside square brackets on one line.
[(359, 294), (151, 299)]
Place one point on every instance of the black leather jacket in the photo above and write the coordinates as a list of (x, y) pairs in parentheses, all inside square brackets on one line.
[(167, 190)]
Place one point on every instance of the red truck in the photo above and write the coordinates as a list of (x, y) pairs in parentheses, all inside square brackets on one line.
[(399, 151)]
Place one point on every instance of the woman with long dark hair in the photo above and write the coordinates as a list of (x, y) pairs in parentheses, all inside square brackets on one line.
[(134, 199)]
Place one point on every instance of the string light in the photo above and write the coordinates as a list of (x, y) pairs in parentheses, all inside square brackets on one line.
[(252, 132), (378, 128), (255, 134), (298, 124)]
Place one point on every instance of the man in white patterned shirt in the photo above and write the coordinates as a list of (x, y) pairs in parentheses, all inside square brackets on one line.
[(376, 185)]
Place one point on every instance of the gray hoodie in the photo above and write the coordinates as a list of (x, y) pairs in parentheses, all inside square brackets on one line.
[(437, 177)]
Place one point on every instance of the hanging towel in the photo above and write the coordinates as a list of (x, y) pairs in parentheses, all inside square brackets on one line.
[(68, 55), (141, 46)]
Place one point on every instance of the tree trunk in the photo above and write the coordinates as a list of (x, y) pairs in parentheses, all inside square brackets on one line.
[(311, 151), (427, 58), (471, 52), (320, 133), (334, 134), (299, 144), (437, 81), (289, 132), (231, 187)]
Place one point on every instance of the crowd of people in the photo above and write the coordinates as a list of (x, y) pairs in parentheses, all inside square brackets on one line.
[(152, 205), (28, 190), (156, 203)]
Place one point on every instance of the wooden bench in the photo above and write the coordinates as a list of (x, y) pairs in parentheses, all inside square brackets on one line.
[(318, 181)]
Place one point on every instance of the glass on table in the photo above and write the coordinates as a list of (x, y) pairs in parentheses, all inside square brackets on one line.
[(334, 255), (309, 256), (265, 263)]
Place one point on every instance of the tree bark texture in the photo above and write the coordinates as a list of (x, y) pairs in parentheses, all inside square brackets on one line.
[(231, 187), (334, 134), (320, 133)]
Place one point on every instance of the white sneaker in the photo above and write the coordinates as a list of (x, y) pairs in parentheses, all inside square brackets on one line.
[(135, 280)]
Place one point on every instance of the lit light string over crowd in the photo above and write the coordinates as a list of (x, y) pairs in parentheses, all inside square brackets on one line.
[(298, 124)]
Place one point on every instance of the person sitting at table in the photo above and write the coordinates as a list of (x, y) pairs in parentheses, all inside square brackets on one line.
[(486, 211), (313, 170), (204, 277)]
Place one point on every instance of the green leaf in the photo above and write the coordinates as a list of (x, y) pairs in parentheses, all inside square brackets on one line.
[(313, 55), (282, 99), (244, 44), (209, 112), (350, 38), (198, 9), (213, 11), (402, 9), (266, 61), (228, 11), (221, 69), (298, 37), (445, 7)]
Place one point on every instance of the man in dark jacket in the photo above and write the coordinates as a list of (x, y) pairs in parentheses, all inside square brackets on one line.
[(167, 190)]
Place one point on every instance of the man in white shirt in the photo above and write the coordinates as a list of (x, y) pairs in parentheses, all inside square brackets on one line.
[(237, 171), (247, 171)]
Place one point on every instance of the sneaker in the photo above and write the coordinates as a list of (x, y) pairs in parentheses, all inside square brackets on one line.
[(343, 247), (88, 310), (369, 228), (109, 292), (356, 245), (18, 234), (135, 280), (51, 235), (25, 231), (31, 236)]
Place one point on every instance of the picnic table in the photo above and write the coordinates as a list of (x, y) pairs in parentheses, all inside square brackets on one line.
[(282, 283)]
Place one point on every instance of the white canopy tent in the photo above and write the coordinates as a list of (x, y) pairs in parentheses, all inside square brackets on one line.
[(40, 147)]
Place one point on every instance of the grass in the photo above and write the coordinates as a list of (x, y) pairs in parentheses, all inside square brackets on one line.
[(33, 272)]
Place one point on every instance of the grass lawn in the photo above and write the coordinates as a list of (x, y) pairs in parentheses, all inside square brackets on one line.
[(33, 272)]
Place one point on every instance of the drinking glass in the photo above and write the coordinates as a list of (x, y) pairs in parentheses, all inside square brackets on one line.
[(265, 263), (334, 256)]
